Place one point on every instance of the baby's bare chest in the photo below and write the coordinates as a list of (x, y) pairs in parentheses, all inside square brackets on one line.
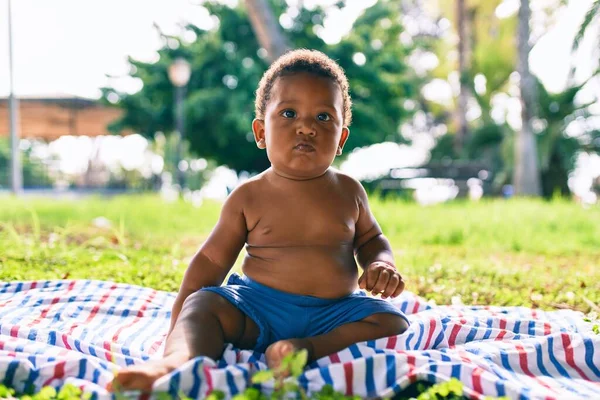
[(281, 219)]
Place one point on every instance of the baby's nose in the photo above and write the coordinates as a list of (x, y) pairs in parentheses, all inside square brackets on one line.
[(306, 126)]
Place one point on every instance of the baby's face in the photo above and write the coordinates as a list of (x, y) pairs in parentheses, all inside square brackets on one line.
[(303, 126)]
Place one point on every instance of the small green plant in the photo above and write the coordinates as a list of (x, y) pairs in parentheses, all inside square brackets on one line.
[(451, 390), (592, 317), (286, 386), (67, 392), (6, 393), (286, 383), (286, 375)]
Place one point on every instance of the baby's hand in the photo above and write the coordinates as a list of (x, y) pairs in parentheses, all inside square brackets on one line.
[(381, 278)]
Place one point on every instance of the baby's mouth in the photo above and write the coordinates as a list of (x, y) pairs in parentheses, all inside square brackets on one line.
[(304, 147)]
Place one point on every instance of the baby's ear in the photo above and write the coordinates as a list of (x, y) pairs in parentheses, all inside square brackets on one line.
[(258, 128), (342, 142)]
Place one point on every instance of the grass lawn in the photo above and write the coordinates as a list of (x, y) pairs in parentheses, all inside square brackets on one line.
[(518, 252)]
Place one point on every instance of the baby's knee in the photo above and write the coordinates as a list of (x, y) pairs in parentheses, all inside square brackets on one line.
[(203, 302)]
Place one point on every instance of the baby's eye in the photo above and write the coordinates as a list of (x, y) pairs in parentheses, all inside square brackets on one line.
[(288, 113), (323, 117)]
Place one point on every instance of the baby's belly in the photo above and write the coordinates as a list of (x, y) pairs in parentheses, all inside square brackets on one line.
[(322, 271)]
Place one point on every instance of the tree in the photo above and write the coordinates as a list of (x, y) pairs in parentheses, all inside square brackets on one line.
[(485, 50), (558, 146), (590, 16), (526, 173), (266, 28), (492, 140), (227, 66), (488, 55), (463, 71)]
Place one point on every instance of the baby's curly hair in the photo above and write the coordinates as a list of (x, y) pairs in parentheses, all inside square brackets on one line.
[(303, 60)]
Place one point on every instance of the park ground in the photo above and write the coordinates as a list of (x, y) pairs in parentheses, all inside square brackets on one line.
[(518, 252)]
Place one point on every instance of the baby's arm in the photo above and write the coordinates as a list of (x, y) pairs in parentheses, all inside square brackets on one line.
[(212, 262), (374, 253)]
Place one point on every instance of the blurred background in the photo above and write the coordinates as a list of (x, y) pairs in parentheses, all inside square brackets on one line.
[(452, 98)]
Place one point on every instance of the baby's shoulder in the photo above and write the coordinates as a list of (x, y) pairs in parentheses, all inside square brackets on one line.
[(347, 183), (248, 189)]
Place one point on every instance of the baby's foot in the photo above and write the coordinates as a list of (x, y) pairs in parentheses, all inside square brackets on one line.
[(277, 351), (141, 377)]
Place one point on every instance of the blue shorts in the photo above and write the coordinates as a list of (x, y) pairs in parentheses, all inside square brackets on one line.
[(281, 315)]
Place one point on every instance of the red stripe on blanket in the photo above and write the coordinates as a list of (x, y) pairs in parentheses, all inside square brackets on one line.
[(108, 354), (208, 377), (416, 306), (156, 345), (411, 361), (95, 310), (525, 368), (5, 303), (453, 335), (566, 339), (139, 316), (335, 358), (476, 379), (14, 331), (59, 372), (502, 323), (523, 359), (501, 335), (475, 374), (349, 375), (547, 329), (391, 342), (46, 310), (65, 341), (430, 334)]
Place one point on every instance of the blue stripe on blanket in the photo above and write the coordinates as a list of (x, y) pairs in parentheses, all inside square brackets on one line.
[(58, 332)]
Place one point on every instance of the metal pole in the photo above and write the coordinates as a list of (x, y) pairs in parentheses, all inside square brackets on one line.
[(15, 164), (179, 128)]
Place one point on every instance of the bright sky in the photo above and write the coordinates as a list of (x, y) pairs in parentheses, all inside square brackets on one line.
[(68, 46)]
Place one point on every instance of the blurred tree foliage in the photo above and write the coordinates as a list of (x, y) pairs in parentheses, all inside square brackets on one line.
[(35, 173), (227, 65), (492, 61)]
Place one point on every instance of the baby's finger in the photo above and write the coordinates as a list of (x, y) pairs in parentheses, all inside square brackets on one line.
[(399, 288), (362, 281), (372, 277), (391, 286), (382, 281)]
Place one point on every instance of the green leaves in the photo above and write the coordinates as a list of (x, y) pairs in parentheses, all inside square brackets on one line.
[(226, 70), (592, 318), (67, 392), (6, 392), (262, 376), (590, 15), (298, 362)]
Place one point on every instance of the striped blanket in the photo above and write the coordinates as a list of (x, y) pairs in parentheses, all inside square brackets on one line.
[(81, 332)]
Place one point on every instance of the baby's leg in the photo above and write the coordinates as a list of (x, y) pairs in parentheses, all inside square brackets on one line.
[(373, 327), (205, 323)]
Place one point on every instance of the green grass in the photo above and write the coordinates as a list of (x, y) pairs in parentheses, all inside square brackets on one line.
[(517, 252)]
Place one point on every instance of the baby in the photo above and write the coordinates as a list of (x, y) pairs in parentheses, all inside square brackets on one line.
[(305, 226)]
